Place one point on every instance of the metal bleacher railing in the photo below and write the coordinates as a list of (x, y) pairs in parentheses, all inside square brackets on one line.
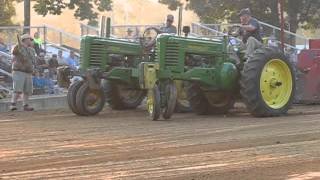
[(292, 40), (119, 31)]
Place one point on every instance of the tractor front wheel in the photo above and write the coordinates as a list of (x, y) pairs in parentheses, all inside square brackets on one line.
[(171, 100), (154, 103), (90, 101), (267, 83), (72, 95)]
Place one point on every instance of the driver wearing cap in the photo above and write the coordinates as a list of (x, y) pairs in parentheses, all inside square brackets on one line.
[(169, 27), (251, 35)]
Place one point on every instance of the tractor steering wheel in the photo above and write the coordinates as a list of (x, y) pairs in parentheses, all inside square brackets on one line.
[(235, 31), (149, 37)]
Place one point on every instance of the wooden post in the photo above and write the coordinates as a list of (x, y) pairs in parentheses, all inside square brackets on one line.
[(27, 17), (281, 3)]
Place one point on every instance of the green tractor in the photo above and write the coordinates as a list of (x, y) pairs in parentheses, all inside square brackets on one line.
[(215, 75), (109, 69)]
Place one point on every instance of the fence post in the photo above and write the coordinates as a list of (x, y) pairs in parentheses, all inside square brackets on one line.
[(81, 29), (60, 38), (45, 37)]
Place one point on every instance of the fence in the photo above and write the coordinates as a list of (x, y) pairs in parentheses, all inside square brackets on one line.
[(48, 34), (119, 31), (292, 40)]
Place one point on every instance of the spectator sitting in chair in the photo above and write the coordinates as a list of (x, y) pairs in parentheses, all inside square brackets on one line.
[(53, 65), (72, 61), (61, 59), (41, 64)]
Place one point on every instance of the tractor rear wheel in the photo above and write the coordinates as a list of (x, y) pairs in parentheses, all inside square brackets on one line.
[(182, 105), (171, 100), (71, 97), (204, 103), (154, 103), (267, 83), (90, 101), (121, 96), (197, 99), (221, 102)]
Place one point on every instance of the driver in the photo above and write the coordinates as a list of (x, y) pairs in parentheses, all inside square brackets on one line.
[(169, 27), (251, 35)]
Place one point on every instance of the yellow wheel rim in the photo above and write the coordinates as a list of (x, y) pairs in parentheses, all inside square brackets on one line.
[(150, 102), (276, 83)]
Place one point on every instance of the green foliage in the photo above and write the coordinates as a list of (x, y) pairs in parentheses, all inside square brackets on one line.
[(172, 4), (7, 11), (84, 10), (299, 12)]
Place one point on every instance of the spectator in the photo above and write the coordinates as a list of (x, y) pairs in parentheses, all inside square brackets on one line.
[(39, 83), (3, 46), (72, 61), (37, 43), (41, 64), (53, 65), (130, 35), (61, 59), (22, 68)]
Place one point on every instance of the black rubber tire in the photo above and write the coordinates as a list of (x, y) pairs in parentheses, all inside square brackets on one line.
[(116, 101), (155, 114), (71, 97), (182, 108), (171, 94), (82, 97), (225, 106), (250, 83), (182, 104), (197, 99)]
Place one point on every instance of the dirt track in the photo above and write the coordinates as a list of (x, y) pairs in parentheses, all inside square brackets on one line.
[(127, 145)]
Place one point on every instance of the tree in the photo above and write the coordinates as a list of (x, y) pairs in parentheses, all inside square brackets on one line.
[(84, 10), (299, 12), (7, 11)]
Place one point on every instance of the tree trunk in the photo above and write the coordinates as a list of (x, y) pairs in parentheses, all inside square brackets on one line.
[(27, 17)]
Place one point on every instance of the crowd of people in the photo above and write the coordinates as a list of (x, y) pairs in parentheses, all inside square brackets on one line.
[(34, 71)]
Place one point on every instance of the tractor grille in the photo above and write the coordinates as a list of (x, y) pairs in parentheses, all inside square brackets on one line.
[(96, 54), (172, 54), (82, 52)]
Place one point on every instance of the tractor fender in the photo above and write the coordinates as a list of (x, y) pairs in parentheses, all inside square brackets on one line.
[(228, 76)]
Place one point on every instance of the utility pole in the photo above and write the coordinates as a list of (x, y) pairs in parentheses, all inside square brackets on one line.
[(27, 17)]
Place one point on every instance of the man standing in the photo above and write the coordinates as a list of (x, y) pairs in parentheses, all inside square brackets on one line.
[(251, 32), (22, 69), (169, 28)]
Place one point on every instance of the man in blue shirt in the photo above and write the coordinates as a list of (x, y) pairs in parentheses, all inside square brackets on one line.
[(72, 60)]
